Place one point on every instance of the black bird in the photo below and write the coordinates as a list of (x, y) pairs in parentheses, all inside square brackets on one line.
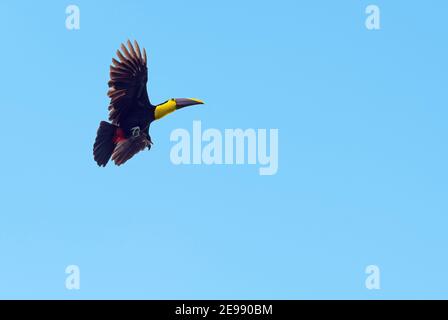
[(130, 110)]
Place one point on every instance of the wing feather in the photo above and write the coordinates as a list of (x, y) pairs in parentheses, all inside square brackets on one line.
[(139, 53), (126, 149), (145, 60), (127, 85), (133, 54)]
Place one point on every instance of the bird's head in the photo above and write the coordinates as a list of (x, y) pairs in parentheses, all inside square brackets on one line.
[(173, 105)]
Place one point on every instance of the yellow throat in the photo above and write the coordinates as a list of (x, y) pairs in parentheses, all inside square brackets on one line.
[(164, 109)]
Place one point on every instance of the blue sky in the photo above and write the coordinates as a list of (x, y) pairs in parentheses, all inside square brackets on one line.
[(362, 152)]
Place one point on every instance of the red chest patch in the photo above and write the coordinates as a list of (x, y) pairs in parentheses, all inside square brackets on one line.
[(119, 136)]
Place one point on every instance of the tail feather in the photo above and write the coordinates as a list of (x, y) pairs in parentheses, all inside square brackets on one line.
[(104, 143)]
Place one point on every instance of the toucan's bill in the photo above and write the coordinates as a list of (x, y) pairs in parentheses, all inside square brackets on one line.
[(183, 102), (173, 105)]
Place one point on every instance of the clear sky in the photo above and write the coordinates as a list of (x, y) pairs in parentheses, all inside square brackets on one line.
[(362, 179)]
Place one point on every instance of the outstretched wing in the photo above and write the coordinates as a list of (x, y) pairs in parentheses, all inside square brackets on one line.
[(128, 78)]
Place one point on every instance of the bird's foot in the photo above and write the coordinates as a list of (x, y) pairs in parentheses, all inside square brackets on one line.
[(135, 132)]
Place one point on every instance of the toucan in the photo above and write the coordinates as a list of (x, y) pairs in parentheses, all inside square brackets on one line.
[(130, 111)]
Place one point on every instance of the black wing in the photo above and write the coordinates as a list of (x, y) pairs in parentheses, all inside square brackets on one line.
[(128, 78)]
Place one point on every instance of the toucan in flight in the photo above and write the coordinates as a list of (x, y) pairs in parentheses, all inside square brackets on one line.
[(130, 110)]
